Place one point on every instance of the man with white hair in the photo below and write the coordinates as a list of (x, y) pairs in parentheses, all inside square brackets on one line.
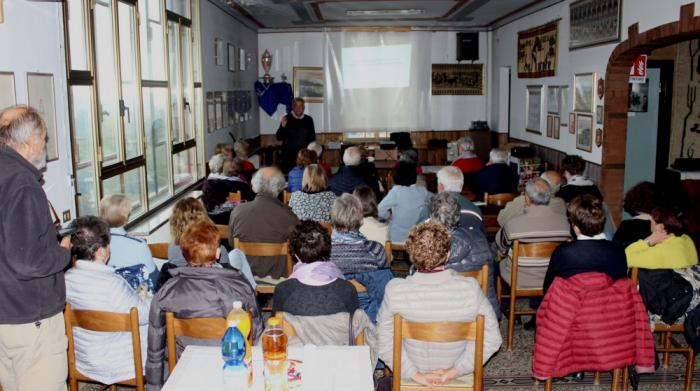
[(451, 180), (216, 164), (265, 219), (497, 177), (516, 207), (538, 223), (467, 161), (351, 175), (318, 148), (32, 330)]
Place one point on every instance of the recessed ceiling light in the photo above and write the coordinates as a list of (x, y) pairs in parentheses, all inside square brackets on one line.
[(401, 12)]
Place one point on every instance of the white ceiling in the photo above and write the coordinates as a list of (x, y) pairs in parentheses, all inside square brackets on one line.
[(444, 14)]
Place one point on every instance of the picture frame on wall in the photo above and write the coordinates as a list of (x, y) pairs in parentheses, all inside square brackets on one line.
[(550, 123), (309, 83), (555, 127), (218, 110), (241, 59), (40, 95), (584, 92), (639, 97), (553, 99), (599, 115), (594, 22), (231, 51), (7, 90), (218, 51), (565, 105), (584, 132), (534, 109), (572, 123), (211, 112)]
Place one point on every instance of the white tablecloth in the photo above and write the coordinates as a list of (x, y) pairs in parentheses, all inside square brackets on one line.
[(324, 368)]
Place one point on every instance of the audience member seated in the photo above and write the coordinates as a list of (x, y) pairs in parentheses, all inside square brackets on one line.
[(351, 175), (402, 204), (93, 285), (590, 252), (202, 289), (434, 294), (215, 192), (469, 248), (538, 223), (240, 148), (516, 207), (371, 227), (451, 180), (125, 250), (497, 177), (216, 164), (356, 256), (294, 178), (265, 219), (639, 201), (410, 156), (316, 287), (314, 200), (572, 167), (224, 149), (318, 148), (467, 161)]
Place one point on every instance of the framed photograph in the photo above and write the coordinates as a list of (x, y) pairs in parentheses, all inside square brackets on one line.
[(218, 110), (231, 51), (218, 51), (584, 132), (584, 92), (7, 90), (639, 97), (565, 105), (594, 22), (599, 115), (40, 95), (572, 123), (550, 127), (556, 125), (534, 109), (309, 83), (553, 100), (211, 112), (241, 59)]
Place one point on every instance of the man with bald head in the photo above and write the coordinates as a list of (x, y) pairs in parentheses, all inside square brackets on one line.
[(32, 332), (538, 223), (517, 206)]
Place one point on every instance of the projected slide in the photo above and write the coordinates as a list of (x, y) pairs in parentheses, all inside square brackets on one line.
[(376, 66)]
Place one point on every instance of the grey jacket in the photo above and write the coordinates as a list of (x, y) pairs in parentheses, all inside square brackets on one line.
[(195, 292)]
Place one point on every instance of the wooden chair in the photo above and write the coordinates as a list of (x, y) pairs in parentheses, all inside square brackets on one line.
[(615, 385), (286, 196), (481, 275), (109, 322), (223, 231), (500, 199), (669, 345), (358, 286), (291, 332), (201, 328), (539, 250), (387, 250), (327, 225), (159, 250), (235, 196), (259, 249), (440, 332)]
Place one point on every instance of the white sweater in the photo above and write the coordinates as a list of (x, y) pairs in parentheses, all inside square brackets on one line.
[(105, 357), (435, 297)]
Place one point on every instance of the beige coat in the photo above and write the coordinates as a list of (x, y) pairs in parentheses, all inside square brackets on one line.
[(516, 208), (375, 230)]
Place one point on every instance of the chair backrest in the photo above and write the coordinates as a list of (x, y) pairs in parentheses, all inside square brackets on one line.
[(327, 225), (159, 250), (634, 275), (235, 196), (387, 250), (109, 322), (286, 196), (500, 199), (259, 249), (481, 275), (200, 328), (358, 286), (439, 332), (223, 231), (291, 332), (533, 250)]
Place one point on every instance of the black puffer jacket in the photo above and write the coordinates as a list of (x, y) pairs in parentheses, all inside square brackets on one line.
[(665, 293)]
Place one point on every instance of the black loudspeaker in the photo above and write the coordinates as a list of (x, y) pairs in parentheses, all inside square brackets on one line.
[(467, 46)]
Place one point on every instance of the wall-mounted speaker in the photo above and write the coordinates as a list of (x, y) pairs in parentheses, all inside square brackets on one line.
[(467, 46)]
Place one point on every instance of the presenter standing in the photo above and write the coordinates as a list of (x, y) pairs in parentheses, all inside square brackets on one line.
[(296, 131)]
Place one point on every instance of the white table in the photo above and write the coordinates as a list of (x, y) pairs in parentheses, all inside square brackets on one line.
[(324, 368)]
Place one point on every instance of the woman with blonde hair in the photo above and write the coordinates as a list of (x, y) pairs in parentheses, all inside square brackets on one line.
[(305, 157), (314, 200)]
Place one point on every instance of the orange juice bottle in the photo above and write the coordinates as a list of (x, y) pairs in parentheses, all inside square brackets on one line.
[(274, 347), (241, 318)]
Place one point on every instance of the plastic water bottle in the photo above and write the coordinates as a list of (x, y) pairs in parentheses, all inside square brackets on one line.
[(233, 349), (274, 346), (242, 318)]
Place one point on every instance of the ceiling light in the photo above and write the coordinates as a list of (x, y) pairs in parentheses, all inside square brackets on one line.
[(403, 12)]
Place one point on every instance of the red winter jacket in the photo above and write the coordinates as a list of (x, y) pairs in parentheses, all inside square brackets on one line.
[(589, 322)]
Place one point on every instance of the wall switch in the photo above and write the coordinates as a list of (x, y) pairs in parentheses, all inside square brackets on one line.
[(66, 215)]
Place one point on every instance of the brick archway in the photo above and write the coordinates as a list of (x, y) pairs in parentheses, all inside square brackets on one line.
[(616, 95)]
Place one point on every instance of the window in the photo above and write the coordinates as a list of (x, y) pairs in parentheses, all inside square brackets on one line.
[(134, 99)]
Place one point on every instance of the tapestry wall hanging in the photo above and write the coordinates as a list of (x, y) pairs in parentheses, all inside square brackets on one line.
[(537, 51), (458, 79)]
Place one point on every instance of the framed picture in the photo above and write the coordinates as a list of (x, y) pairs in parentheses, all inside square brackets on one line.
[(241, 59), (553, 99), (639, 97), (565, 105), (457, 79), (599, 115), (7, 90), (594, 22), (218, 110), (231, 50), (584, 90), (309, 83), (40, 95), (555, 127), (584, 132), (211, 112), (534, 109), (218, 51), (572, 123), (550, 123)]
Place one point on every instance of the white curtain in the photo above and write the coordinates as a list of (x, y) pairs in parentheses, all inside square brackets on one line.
[(383, 83)]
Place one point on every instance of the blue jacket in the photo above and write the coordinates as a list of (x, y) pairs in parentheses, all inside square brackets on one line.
[(294, 179), (375, 282), (348, 178)]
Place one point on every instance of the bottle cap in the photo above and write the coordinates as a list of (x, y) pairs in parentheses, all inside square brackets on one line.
[(233, 323), (237, 305), (273, 321)]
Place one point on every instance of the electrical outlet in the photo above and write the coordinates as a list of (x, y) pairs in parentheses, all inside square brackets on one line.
[(66, 215)]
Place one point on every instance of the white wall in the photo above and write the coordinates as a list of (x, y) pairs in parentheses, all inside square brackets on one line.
[(649, 14), (307, 49), (31, 39)]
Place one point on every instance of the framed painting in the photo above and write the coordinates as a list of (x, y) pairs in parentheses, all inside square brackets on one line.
[(565, 106), (550, 125), (40, 95), (218, 51), (639, 97), (599, 115), (231, 51), (534, 109), (537, 51), (555, 127), (553, 100), (584, 132), (7, 90), (572, 123), (309, 83), (594, 22), (241, 59), (584, 92), (457, 79)]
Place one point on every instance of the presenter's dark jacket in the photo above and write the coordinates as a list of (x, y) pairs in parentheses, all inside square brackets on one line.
[(295, 136)]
